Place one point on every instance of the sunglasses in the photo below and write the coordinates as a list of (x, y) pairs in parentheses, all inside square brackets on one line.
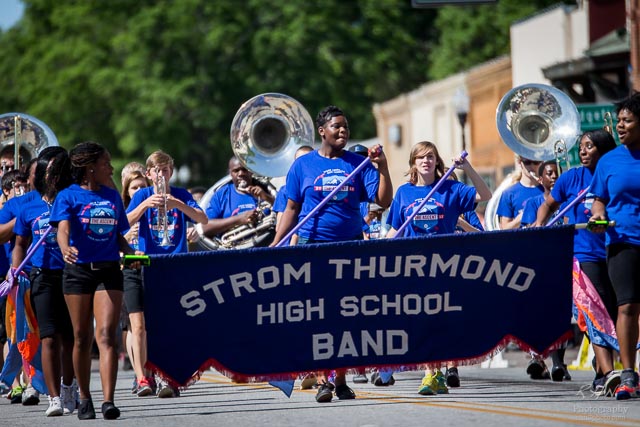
[(528, 162)]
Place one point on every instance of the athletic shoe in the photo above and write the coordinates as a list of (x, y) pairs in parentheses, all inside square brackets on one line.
[(167, 391), (324, 393), (537, 370), (376, 380), (30, 396), (429, 386), (69, 397), (134, 387), (559, 373), (144, 388), (611, 382), (626, 390), (597, 386), (360, 379), (85, 410), (343, 392), (55, 407), (442, 382), (109, 411), (15, 395), (453, 380), (308, 382)]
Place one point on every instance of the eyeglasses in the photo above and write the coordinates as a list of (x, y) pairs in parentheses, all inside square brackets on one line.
[(528, 162)]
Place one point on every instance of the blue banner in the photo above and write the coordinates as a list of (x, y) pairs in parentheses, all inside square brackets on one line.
[(269, 313)]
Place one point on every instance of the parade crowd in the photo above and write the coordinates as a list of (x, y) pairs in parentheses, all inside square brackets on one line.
[(69, 233)]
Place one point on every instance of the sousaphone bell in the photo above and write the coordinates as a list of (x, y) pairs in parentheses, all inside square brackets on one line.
[(538, 122), (25, 135), (265, 134)]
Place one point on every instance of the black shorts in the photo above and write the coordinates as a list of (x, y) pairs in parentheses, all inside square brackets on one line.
[(133, 290), (598, 273), (79, 279), (623, 262), (48, 303)]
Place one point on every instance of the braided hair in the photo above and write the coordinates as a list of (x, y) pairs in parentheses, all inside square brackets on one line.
[(83, 155)]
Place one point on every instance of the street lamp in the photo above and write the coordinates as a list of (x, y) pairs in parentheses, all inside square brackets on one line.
[(461, 104)]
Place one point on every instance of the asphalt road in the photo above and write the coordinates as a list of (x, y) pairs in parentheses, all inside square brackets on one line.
[(496, 396)]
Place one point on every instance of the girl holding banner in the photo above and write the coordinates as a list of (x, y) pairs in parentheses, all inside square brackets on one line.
[(311, 179), (589, 248), (616, 186), (439, 215)]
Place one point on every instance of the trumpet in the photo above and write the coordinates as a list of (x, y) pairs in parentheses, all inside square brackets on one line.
[(163, 219)]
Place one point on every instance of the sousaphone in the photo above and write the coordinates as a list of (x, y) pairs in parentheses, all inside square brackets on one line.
[(265, 134), (25, 136), (537, 122)]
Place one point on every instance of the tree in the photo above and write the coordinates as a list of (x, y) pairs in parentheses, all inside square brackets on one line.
[(471, 35), (138, 76)]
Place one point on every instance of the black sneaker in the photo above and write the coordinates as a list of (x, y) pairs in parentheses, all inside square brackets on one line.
[(85, 410), (451, 374), (537, 370), (559, 373), (343, 392), (376, 380), (109, 411), (324, 393)]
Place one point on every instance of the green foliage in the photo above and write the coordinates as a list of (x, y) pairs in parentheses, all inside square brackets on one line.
[(471, 35), (141, 75)]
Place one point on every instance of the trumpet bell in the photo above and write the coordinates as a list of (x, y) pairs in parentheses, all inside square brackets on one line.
[(532, 118), (27, 132), (266, 132)]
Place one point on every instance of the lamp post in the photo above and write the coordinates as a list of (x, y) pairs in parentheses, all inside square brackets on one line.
[(461, 104)]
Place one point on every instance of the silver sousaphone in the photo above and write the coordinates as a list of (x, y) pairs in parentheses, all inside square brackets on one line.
[(25, 136), (265, 134), (537, 122)]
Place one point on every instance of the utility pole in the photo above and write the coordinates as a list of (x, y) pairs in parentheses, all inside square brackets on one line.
[(634, 43)]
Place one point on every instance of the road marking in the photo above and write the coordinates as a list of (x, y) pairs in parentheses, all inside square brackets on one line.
[(577, 418)]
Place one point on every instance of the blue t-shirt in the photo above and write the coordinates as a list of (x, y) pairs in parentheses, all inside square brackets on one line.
[(96, 219), (280, 202), (472, 218), (228, 202), (312, 177), (439, 215), (9, 211), (33, 220), (587, 246), (530, 210), (150, 234), (617, 182), (512, 200)]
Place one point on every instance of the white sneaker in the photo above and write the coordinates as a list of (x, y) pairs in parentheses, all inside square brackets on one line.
[(30, 396), (55, 407), (69, 397)]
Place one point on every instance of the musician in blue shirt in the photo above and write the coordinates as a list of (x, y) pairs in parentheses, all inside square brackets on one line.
[(147, 205), (235, 203), (512, 200)]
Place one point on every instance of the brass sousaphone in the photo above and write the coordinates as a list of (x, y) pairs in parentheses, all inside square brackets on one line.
[(266, 132), (25, 136), (537, 122)]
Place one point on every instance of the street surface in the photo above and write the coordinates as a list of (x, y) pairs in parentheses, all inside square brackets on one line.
[(496, 396)]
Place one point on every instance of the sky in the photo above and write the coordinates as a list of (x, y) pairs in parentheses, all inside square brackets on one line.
[(10, 12)]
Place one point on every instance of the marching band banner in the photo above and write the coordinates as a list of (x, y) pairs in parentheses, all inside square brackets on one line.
[(270, 313)]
